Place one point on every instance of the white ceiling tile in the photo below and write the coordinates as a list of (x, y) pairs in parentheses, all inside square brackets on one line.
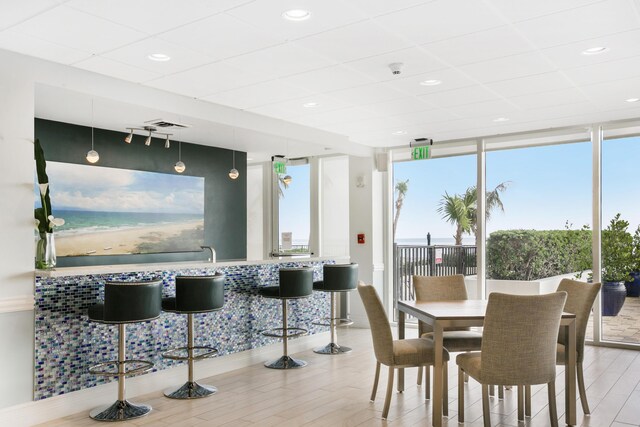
[(282, 60), (16, 11), (328, 79), (206, 80), (355, 41), (40, 48), (481, 46), (521, 10), (380, 7), (530, 84), (510, 67), (614, 92), (426, 117), (497, 108), (404, 105), (256, 95), (116, 69), (549, 99), (221, 36), (605, 71), (369, 94), (440, 20), (381, 124), (295, 107), (136, 54), (595, 20), (465, 95), (272, 110), (153, 16), (415, 61), (450, 78), (621, 45), (325, 15), (74, 29), (344, 115)]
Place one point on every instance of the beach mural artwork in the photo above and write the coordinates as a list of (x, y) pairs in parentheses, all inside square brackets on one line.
[(111, 211)]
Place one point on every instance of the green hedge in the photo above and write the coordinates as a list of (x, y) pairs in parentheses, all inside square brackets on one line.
[(534, 254)]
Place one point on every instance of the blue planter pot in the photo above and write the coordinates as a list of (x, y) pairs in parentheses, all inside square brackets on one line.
[(613, 295), (633, 288)]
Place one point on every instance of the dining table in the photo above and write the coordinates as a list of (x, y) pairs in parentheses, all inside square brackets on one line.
[(443, 315)]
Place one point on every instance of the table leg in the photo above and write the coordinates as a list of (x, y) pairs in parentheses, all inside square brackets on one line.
[(570, 375), (401, 321), (437, 376)]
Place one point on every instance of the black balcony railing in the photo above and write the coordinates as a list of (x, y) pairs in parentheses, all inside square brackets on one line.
[(437, 260)]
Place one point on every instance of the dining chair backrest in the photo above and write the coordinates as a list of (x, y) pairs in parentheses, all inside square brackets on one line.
[(440, 288), (520, 337), (580, 298), (379, 323)]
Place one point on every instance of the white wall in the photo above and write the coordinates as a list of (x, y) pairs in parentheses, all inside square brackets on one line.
[(334, 206), (255, 212)]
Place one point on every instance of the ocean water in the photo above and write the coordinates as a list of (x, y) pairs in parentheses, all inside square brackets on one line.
[(82, 222)]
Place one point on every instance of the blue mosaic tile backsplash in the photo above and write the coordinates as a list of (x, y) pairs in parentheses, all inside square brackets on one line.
[(67, 344)]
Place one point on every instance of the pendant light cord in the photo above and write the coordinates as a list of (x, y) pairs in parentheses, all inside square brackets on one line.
[(91, 123)]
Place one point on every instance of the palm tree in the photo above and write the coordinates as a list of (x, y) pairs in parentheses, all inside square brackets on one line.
[(401, 190), (461, 210)]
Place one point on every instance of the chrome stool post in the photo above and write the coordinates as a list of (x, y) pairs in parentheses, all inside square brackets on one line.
[(125, 302), (336, 278), (194, 294)]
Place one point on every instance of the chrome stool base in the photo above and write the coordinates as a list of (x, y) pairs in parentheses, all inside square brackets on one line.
[(286, 362), (122, 410), (190, 390), (332, 348)]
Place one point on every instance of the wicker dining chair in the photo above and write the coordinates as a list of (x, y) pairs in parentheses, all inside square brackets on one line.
[(444, 288), (396, 354), (519, 346)]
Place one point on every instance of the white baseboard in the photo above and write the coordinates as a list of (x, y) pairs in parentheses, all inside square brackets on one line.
[(30, 413)]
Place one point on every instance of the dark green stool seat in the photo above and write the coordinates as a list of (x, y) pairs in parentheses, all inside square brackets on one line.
[(294, 283), (336, 278), (125, 302), (194, 294)]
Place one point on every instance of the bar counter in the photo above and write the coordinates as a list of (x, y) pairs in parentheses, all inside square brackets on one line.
[(67, 344)]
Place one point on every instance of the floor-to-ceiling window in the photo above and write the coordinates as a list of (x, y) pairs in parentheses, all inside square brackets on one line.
[(293, 195)]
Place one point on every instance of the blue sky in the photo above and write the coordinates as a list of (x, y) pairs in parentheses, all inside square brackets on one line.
[(84, 187), (547, 187), (295, 214)]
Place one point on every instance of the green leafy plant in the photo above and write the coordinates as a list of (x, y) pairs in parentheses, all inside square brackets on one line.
[(617, 251), (45, 220), (635, 250)]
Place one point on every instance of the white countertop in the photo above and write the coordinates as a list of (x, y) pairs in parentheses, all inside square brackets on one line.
[(163, 266)]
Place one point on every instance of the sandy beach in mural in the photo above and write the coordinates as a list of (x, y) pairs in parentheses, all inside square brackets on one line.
[(173, 237)]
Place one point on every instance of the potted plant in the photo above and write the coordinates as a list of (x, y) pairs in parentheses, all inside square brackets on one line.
[(633, 287), (617, 262)]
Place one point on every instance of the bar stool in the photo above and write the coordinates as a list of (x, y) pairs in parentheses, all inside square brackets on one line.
[(125, 302), (194, 294), (294, 283), (337, 278)]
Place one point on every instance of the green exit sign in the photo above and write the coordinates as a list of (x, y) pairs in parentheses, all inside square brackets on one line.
[(420, 153), (280, 167)]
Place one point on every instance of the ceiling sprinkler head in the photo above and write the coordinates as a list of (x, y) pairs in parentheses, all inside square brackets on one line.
[(396, 68)]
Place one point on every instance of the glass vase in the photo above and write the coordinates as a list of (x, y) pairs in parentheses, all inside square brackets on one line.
[(46, 251)]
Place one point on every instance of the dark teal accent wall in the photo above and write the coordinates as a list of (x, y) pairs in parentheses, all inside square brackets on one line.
[(225, 199)]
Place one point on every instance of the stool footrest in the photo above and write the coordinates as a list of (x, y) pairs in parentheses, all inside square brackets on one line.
[(205, 351), (291, 332), (102, 368), (340, 321)]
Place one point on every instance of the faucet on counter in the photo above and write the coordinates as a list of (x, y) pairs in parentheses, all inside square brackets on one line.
[(213, 253)]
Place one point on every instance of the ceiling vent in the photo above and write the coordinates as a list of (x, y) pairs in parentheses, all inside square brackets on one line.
[(165, 124)]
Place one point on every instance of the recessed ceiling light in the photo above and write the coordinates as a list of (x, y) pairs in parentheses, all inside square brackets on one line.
[(296, 15), (310, 104), (595, 50), (632, 99), (432, 82), (501, 119), (400, 132), (160, 57), (249, 159)]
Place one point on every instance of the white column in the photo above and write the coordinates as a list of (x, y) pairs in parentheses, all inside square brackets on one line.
[(596, 211), (481, 236)]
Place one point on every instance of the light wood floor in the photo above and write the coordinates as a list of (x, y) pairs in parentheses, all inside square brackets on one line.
[(335, 390)]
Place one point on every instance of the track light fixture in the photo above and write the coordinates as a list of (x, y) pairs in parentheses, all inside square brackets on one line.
[(152, 132)]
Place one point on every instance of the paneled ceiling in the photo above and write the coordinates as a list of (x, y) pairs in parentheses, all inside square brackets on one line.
[(504, 65)]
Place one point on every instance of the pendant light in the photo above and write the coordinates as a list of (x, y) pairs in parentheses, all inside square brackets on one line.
[(180, 166), (233, 173), (92, 155)]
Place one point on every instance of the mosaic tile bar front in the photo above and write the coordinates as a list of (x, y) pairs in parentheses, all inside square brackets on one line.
[(67, 344)]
